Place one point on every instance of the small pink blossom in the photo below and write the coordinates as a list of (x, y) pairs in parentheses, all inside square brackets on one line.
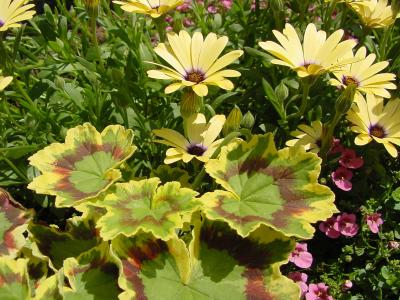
[(318, 291), (328, 228), (347, 285), (185, 6), (341, 177), (169, 19), (336, 147), (187, 22), (212, 9), (346, 224), (300, 256), (227, 4), (374, 221), (301, 279), (350, 160), (169, 28)]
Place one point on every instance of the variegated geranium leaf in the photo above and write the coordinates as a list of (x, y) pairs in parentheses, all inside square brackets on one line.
[(264, 186), (14, 281), (167, 173), (13, 222), (222, 265), (57, 245), (84, 165), (50, 288), (146, 206), (93, 275)]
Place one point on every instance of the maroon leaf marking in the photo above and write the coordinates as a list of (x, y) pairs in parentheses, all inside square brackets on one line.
[(15, 213), (66, 164), (255, 287)]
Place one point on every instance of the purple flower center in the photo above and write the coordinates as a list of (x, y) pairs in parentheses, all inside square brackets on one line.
[(196, 149), (377, 131), (195, 76), (1, 23), (348, 80)]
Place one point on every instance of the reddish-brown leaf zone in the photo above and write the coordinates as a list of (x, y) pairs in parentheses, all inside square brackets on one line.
[(132, 264), (65, 165), (16, 215), (255, 287), (10, 278), (283, 177)]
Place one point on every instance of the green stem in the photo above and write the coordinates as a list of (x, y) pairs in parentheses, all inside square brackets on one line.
[(160, 26), (5, 61), (15, 169), (93, 30), (383, 43), (304, 98), (31, 105)]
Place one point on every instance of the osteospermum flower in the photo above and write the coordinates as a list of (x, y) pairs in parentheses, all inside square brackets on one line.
[(200, 142), (375, 121), (374, 13), (315, 56), (154, 8), (307, 136), (4, 82), (365, 74), (195, 62), (14, 11)]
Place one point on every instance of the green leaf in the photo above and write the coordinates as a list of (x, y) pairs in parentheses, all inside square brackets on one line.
[(50, 288), (264, 186), (93, 275), (13, 223), (14, 282), (84, 165), (396, 194), (220, 265), (144, 206), (57, 245), (273, 98)]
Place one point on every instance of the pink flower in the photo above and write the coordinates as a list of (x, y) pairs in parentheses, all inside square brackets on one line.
[(212, 9), (328, 228), (185, 6), (187, 22), (169, 19), (374, 221), (301, 279), (300, 257), (169, 28), (318, 291), (347, 285), (346, 224), (336, 147), (350, 160), (341, 177), (227, 4)]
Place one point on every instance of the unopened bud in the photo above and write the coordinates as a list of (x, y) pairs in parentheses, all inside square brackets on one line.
[(345, 100), (59, 82), (232, 121), (190, 103), (394, 245), (92, 7), (347, 285), (248, 120), (348, 258), (281, 91)]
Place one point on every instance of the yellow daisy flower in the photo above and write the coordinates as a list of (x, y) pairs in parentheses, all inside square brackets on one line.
[(199, 143), (364, 73), (315, 56), (374, 13), (154, 8), (195, 62), (310, 137), (4, 82), (14, 11), (373, 120)]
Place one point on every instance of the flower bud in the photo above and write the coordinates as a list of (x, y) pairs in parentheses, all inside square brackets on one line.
[(348, 258), (190, 103), (281, 91), (394, 245), (248, 120), (92, 8), (345, 100), (232, 121), (59, 82), (347, 285)]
